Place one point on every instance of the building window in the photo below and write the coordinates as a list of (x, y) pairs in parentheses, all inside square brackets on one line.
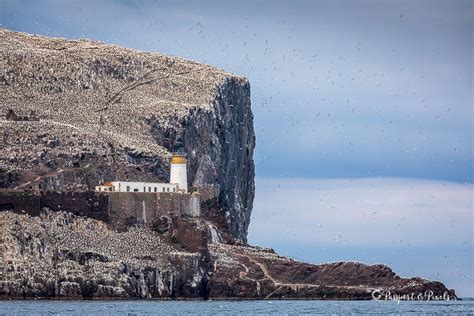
[(174, 189), (156, 189), (100, 189), (168, 189), (135, 190), (149, 189), (128, 188), (144, 189), (163, 189)]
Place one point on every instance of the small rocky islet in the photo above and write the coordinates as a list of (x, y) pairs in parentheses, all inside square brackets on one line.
[(77, 113)]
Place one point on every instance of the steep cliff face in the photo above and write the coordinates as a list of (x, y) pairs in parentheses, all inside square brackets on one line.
[(73, 113), (220, 142)]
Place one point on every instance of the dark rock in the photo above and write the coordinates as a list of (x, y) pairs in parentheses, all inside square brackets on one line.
[(162, 225)]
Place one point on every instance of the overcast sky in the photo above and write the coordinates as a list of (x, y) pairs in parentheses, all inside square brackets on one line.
[(363, 115)]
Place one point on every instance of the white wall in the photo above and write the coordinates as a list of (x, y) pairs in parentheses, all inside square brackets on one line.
[(121, 186), (102, 188), (178, 175)]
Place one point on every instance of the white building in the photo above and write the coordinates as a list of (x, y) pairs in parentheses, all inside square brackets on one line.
[(178, 173), (178, 178), (125, 186)]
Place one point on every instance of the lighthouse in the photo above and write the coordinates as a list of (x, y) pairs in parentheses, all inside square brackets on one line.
[(178, 173)]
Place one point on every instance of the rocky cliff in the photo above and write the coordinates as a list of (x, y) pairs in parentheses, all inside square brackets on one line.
[(60, 255), (74, 113)]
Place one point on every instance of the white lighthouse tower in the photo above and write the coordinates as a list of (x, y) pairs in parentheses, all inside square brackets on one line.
[(178, 172)]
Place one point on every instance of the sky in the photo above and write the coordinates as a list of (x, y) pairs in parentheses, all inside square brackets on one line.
[(363, 114)]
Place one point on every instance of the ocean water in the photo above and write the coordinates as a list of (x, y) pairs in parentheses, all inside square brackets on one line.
[(464, 307)]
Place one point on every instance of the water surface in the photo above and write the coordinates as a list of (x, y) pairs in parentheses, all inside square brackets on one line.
[(233, 307)]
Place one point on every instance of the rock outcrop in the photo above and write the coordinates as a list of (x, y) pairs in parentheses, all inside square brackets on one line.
[(73, 113), (60, 255), (64, 256)]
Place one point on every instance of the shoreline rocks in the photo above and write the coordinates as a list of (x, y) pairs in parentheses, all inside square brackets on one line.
[(58, 255)]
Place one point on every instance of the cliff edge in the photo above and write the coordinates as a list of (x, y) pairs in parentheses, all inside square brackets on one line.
[(73, 113)]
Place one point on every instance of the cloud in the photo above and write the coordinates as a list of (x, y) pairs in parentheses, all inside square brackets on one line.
[(417, 227), (363, 212)]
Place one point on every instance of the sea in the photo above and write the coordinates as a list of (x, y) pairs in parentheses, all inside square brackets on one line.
[(464, 307)]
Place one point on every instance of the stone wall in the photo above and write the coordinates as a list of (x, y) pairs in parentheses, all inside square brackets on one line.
[(20, 201), (119, 209), (144, 208), (87, 204)]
